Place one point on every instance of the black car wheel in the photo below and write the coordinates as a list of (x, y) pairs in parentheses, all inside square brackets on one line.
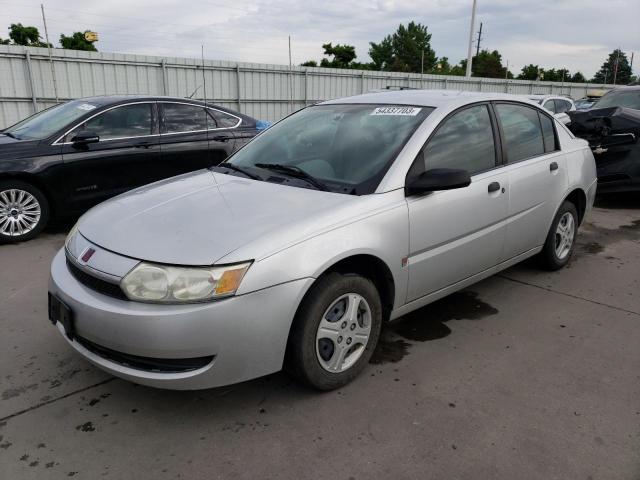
[(24, 211), (561, 238), (335, 331)]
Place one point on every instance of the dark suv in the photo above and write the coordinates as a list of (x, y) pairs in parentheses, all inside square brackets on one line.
[(63, 160)]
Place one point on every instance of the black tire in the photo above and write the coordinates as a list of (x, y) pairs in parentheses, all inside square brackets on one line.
[(7, 185), (302, 359), (548, 257)]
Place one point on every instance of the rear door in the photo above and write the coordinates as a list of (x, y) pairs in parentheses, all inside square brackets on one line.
[(455, 234), (537, 174), (124, 157), (191, 139)]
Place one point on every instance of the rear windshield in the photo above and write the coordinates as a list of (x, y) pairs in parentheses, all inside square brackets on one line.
[(47, 122), (348, 147), (620, 98)]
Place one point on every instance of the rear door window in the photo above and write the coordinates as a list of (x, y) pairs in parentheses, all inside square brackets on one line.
[(562, 106), (182, 118), (224, 120), (521, 131)]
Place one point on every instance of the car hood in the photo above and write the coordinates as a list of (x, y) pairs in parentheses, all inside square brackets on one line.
[(198, 218), (9, 147)]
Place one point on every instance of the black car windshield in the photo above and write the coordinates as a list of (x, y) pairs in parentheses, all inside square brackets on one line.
[(620, 98), (348, 148), (47, 122)]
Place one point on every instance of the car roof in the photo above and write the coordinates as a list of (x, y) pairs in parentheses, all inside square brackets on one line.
[(105, 100), (426, 98)]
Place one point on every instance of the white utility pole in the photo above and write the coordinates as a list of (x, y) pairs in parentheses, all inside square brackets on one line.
[(470, 51), (290, 79), (53, 71)]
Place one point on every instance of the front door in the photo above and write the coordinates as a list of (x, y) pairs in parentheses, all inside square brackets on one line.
[(455, 234), (125, 156)]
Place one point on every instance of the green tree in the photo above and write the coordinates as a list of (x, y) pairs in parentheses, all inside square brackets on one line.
[(402, 51), (5, 42), (309, 63), (617, 61), (578, 77), (488, 64), (76, 42), (25, 35), (343, 55), (529, 72)]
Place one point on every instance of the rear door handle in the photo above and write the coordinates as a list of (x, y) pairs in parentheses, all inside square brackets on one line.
[(553, 166), (221, 138), (493, 187), (142, 145)]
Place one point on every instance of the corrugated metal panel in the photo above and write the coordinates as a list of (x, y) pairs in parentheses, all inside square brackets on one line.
[(263, 91)]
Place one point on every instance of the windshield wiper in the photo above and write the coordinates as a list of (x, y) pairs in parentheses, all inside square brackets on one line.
[(235, 168), (295, 172), (9, 134)]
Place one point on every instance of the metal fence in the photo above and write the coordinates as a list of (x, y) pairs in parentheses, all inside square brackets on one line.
[(267, 92)]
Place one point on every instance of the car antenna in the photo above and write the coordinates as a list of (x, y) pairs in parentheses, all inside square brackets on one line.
[(194, 92)]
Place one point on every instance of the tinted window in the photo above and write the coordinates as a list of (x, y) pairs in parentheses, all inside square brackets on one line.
[(521, 130), (179, 117), (464, 140), (562, 106), (548, 133), (120, 122), (223, 120), (620, 98), (549, 105)]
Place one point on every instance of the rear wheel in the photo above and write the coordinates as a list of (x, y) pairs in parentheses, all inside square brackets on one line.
[(561, 238), (24, 211), (335, 331)]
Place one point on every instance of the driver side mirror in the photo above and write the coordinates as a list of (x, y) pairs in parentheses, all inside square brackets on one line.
[(85, 138), (438, 179)]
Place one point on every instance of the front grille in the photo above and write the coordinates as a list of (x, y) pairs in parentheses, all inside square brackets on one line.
[(148, 364), (97, 284)]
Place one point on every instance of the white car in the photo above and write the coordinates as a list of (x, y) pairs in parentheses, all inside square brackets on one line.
[(556, 104)]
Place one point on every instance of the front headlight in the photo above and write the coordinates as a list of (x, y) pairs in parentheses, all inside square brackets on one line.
[(70, 235), (149, 282)]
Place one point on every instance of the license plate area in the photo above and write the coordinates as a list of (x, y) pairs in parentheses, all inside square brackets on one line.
[(60, 312)]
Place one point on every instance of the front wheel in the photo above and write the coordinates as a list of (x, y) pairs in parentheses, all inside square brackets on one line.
[(335, 331), (24, 211), (561, 238)]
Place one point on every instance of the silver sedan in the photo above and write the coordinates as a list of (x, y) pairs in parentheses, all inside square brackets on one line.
[(296, 251)]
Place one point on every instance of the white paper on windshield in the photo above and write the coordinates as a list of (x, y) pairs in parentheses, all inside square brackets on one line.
[(397, 111), (86, 106)]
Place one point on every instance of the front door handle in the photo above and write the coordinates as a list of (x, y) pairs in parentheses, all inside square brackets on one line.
[(142, 145), (221, 138), (553, 166), (493, 187)]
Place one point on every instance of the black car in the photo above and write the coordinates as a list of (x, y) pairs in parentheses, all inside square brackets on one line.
[(63, 160), (612, 128)]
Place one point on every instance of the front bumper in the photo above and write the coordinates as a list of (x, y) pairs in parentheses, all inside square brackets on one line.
[(246, 335)]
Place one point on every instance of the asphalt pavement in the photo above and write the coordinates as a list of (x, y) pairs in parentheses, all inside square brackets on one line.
[(526, 375)]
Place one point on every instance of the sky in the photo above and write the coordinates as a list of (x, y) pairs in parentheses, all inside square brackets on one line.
[(575, 34)]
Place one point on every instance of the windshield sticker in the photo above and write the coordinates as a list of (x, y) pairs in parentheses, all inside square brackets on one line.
[(86, 106), (398, 111)]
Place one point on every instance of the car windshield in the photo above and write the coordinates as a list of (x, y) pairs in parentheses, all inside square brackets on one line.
[(620, 98), (348, 148), (47, 122)]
